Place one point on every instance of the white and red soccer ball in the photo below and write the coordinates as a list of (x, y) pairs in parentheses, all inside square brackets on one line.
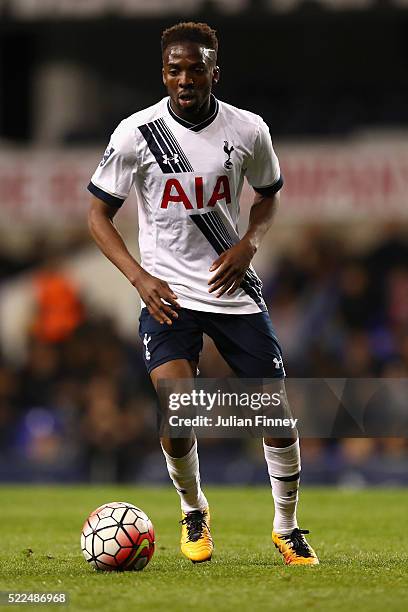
[(118, 536)]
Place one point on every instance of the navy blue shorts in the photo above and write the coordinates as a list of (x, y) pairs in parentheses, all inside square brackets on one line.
[(247, 342)]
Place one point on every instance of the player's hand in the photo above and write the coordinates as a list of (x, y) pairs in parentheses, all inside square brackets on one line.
[(157, 296), (231, 267)]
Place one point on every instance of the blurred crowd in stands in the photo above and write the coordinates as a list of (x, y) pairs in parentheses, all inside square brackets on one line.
[(81, 407)]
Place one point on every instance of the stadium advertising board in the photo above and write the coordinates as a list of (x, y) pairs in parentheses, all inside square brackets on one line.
[(323, 182), (49, 9)]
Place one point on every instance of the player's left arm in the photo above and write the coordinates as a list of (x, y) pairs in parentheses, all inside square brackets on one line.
[(263, 173), (232, 265)]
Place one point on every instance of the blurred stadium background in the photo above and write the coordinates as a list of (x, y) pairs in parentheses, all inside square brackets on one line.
[(329, 76)]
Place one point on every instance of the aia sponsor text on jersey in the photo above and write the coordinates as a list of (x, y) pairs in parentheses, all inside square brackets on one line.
[(174, 192)]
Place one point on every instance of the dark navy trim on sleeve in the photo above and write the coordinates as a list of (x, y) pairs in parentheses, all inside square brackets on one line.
[(105, 197), (270, 189)]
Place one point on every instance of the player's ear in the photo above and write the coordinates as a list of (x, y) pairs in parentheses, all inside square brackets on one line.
[(163, 77), (216, 74)]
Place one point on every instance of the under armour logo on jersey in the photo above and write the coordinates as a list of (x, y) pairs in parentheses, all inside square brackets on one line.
[(146, 341), (228, 151), (174, 158), (106, 156)]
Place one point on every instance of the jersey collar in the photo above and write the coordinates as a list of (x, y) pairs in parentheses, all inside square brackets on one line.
[(197, 127)]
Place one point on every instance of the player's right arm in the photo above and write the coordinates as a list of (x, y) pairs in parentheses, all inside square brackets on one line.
[(152, 290), (110, 185)]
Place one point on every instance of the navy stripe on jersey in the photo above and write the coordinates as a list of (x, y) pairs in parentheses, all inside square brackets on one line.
[(167, 151), (173, 142), (250, 280), (197, 127), (211, 226)]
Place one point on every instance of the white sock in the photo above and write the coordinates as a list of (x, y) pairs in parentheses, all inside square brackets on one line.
[(284, 470), (185, 474)]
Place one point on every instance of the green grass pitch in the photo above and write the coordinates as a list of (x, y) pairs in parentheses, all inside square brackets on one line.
[(360, 537)]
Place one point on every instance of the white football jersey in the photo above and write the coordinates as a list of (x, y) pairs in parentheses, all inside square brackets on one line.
[(188, 180)]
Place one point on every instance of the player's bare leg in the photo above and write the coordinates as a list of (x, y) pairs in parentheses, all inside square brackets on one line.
[(183, 466), (282, 456)]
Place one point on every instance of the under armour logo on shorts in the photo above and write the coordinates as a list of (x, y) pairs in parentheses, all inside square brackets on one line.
[(278, 361)]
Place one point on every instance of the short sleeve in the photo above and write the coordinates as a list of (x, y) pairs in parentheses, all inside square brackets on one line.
[(113, 178), (263, 171)]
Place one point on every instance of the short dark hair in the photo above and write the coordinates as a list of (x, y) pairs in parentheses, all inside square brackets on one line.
[(190, 31)]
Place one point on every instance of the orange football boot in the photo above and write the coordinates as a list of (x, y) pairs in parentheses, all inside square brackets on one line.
[(294, 548), (196, 541)]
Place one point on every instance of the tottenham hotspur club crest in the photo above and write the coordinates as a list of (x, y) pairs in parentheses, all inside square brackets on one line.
[(228, 151), (146, 341)]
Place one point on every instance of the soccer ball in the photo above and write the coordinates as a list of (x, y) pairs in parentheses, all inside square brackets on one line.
[(118, 536)]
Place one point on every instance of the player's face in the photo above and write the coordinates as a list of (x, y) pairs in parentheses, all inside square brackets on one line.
[(189, 72)]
